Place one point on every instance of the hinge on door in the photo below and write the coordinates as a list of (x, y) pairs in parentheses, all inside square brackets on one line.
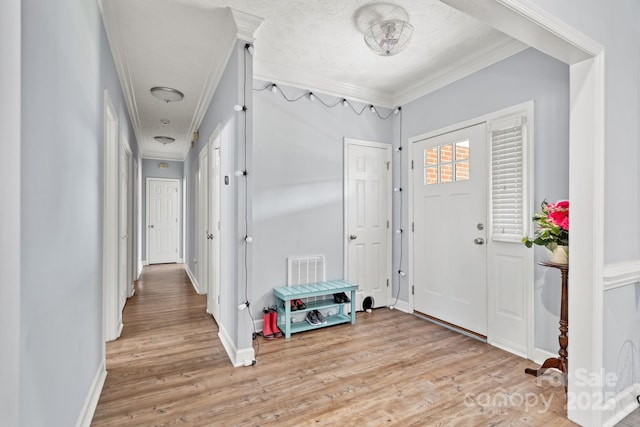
[(387, 224), (388, 163), (218, 225), (413, 226), (387, 283), (411, 164), (413, 290)]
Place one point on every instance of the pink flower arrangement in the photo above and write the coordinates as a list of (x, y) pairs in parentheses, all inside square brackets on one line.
[(552, 226), (559, 214)]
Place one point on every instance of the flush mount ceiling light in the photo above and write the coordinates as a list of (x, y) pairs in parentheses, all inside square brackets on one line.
[(164, 140), (167, 94), (388, 38)]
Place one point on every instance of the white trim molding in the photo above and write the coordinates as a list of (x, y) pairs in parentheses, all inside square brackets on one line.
[(192, 278), (621, 274), (403, 306), (247, 25), (238, 357), (91, 401), (490, 55), (621, 405)]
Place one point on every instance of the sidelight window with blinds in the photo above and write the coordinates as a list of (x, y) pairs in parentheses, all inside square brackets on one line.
[(508, 179)]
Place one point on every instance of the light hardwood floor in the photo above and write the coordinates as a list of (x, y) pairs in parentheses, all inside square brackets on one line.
[(391, 368)]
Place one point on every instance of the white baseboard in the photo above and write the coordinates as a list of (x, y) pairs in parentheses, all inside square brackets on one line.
[(194, 282), (539, 355), (180, 261), (140, 271), (258, 324), (144, 262), (402, 306), (618, 407), (91, 401), (503, 345), (242, 357)]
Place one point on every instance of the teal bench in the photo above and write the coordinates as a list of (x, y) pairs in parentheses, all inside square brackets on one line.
[(285, 294)]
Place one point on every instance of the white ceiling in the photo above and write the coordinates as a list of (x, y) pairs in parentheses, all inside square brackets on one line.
[(316, 45)]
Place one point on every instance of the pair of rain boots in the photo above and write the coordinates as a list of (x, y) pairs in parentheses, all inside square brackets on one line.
[(270, 328)]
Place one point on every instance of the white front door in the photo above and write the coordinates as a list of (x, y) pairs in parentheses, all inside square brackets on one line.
[(163, 220), (367, 220), (449, 211)]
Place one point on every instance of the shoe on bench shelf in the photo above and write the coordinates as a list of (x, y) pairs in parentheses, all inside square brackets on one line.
[(312, 318)]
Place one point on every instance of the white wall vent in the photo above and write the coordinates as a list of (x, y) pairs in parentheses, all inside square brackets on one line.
[(305, 269)]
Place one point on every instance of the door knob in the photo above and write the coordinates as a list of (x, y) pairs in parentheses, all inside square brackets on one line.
[(210, 236), (352, 237), (151, 226), (478, 241)]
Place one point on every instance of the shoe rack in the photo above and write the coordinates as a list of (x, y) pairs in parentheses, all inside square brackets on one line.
[(285, 294)]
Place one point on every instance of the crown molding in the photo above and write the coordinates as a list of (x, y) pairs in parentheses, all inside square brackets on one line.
[(288, 76), (247, 25), (459, 70), (121, 64), (270, 72), (227, 42)]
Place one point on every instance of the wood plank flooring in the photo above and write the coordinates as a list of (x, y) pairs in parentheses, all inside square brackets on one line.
[(391, 368)]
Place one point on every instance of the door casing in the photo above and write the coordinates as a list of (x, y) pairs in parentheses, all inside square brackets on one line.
[(388, 259), (178, 213)]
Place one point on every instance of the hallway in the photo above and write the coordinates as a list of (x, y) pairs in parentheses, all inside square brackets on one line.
[(168, 368)]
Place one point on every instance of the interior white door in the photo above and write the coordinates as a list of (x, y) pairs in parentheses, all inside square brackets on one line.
[(163, 220), (213, 296), (367, 219), (124, 263), (449, 211), (203, 221)]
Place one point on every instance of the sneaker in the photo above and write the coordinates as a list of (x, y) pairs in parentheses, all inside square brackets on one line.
[(340, 298), (320, 317), (312, 318), (300, 305)]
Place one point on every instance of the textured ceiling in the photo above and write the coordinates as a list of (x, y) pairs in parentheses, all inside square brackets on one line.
[(315, 45)]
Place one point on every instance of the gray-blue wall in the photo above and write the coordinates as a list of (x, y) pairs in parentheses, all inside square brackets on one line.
[(529, 75), (151, 169), (298, 182), (66, 64), (232, 124)]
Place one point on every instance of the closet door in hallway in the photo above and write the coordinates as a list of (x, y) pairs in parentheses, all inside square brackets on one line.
[(163, 220)]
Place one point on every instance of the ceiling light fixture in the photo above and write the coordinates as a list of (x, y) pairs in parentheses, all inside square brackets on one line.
[(388, 38), (164, 140), (167, 94)]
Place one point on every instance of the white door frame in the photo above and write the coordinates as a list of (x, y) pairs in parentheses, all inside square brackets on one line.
[(202, 215), (126, 160), (529, 297), (538, 28), (389, 259), (137, 256), (215, 198), (178, 211), (112, 325)]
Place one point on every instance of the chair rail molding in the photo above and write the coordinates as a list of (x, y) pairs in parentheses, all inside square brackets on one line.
[(621, 274)]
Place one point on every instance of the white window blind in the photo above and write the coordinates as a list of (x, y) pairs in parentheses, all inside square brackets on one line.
[(508, 180)]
